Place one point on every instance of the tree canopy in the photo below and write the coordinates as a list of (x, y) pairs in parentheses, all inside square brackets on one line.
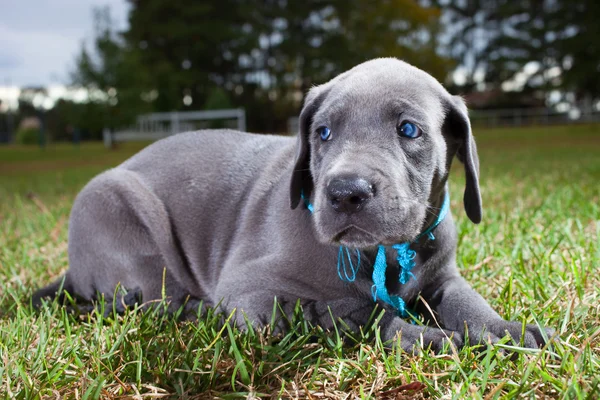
[(557, 39), (262, 55)]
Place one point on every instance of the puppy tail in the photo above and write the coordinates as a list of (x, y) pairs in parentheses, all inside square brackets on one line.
[(52, 291)]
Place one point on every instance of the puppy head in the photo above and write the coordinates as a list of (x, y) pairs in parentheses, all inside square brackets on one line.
[(374, 149)]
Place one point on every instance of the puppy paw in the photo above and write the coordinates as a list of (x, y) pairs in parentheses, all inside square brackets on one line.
[(438, 340), (532, 337)]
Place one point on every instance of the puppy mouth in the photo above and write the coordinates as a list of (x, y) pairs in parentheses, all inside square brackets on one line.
[(356, 237)]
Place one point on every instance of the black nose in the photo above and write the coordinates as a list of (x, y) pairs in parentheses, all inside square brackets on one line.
[(348, 195)]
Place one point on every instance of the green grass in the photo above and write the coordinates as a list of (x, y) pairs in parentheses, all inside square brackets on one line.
[(536, 257)]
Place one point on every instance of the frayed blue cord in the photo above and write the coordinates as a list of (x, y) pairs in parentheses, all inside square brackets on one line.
[(341, 264), (308, 205), (406, 262), (346, 271), (379, 290), (405, 257)]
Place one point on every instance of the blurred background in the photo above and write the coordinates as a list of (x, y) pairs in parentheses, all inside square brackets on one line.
[(74, 70)]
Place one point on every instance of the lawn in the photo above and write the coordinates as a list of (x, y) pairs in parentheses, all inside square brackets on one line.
[(535, 257)]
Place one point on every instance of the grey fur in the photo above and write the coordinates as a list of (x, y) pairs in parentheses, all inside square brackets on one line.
[(212, 209)]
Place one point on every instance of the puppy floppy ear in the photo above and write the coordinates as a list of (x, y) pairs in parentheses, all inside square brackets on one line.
[(302, 182), (457, 125)]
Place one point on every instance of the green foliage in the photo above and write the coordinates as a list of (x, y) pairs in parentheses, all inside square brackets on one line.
[(500, 38), (69, 118), (534, 257), (28, 136), (116, 81), (217, 99), (578, 50)]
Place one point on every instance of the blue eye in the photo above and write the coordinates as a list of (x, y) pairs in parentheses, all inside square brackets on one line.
[(408, 130), (324, 132)]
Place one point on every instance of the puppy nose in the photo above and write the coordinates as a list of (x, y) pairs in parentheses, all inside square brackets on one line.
[(348, 195)]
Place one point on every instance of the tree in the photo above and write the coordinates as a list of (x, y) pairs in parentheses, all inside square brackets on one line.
[(266, 54), (465, 30), (540, 45), (578, 48), (188, 48), (309, 42), (117, 83)]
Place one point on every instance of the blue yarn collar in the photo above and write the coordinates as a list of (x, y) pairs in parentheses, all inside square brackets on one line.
[(347, 268)]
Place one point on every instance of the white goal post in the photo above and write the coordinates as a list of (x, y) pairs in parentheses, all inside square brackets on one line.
[(160, 125)]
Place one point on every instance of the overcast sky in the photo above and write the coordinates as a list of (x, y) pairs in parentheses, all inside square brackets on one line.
[(39, 39)]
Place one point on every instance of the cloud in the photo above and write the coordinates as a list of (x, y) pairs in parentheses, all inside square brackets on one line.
[(38, 57), (39, 39)]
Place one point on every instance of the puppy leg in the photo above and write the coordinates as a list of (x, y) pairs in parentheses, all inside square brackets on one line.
[(52, 290), (354, 313), (120, 235), (460, 308)]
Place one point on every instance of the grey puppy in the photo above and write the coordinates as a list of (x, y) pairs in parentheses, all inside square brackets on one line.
[(206, 215)]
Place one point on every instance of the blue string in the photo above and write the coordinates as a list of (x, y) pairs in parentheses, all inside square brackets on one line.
[(309, 206), (379, 290), (406, 261), (349, 269), (341, 264), (405, 257), (438, 220)]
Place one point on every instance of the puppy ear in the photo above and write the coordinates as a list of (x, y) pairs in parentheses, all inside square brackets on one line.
[(458, 126), (302, 182)]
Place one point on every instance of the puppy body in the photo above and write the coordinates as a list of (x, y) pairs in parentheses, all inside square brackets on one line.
[(206, 215)]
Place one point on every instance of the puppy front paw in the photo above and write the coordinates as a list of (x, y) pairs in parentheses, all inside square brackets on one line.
[(492, 332), (437, 340)]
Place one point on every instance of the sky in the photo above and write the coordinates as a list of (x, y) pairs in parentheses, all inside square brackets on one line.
[(39, 39)]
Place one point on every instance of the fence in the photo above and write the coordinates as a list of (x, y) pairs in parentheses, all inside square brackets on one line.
[(160, 125), (513, 118), (531, 116)]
